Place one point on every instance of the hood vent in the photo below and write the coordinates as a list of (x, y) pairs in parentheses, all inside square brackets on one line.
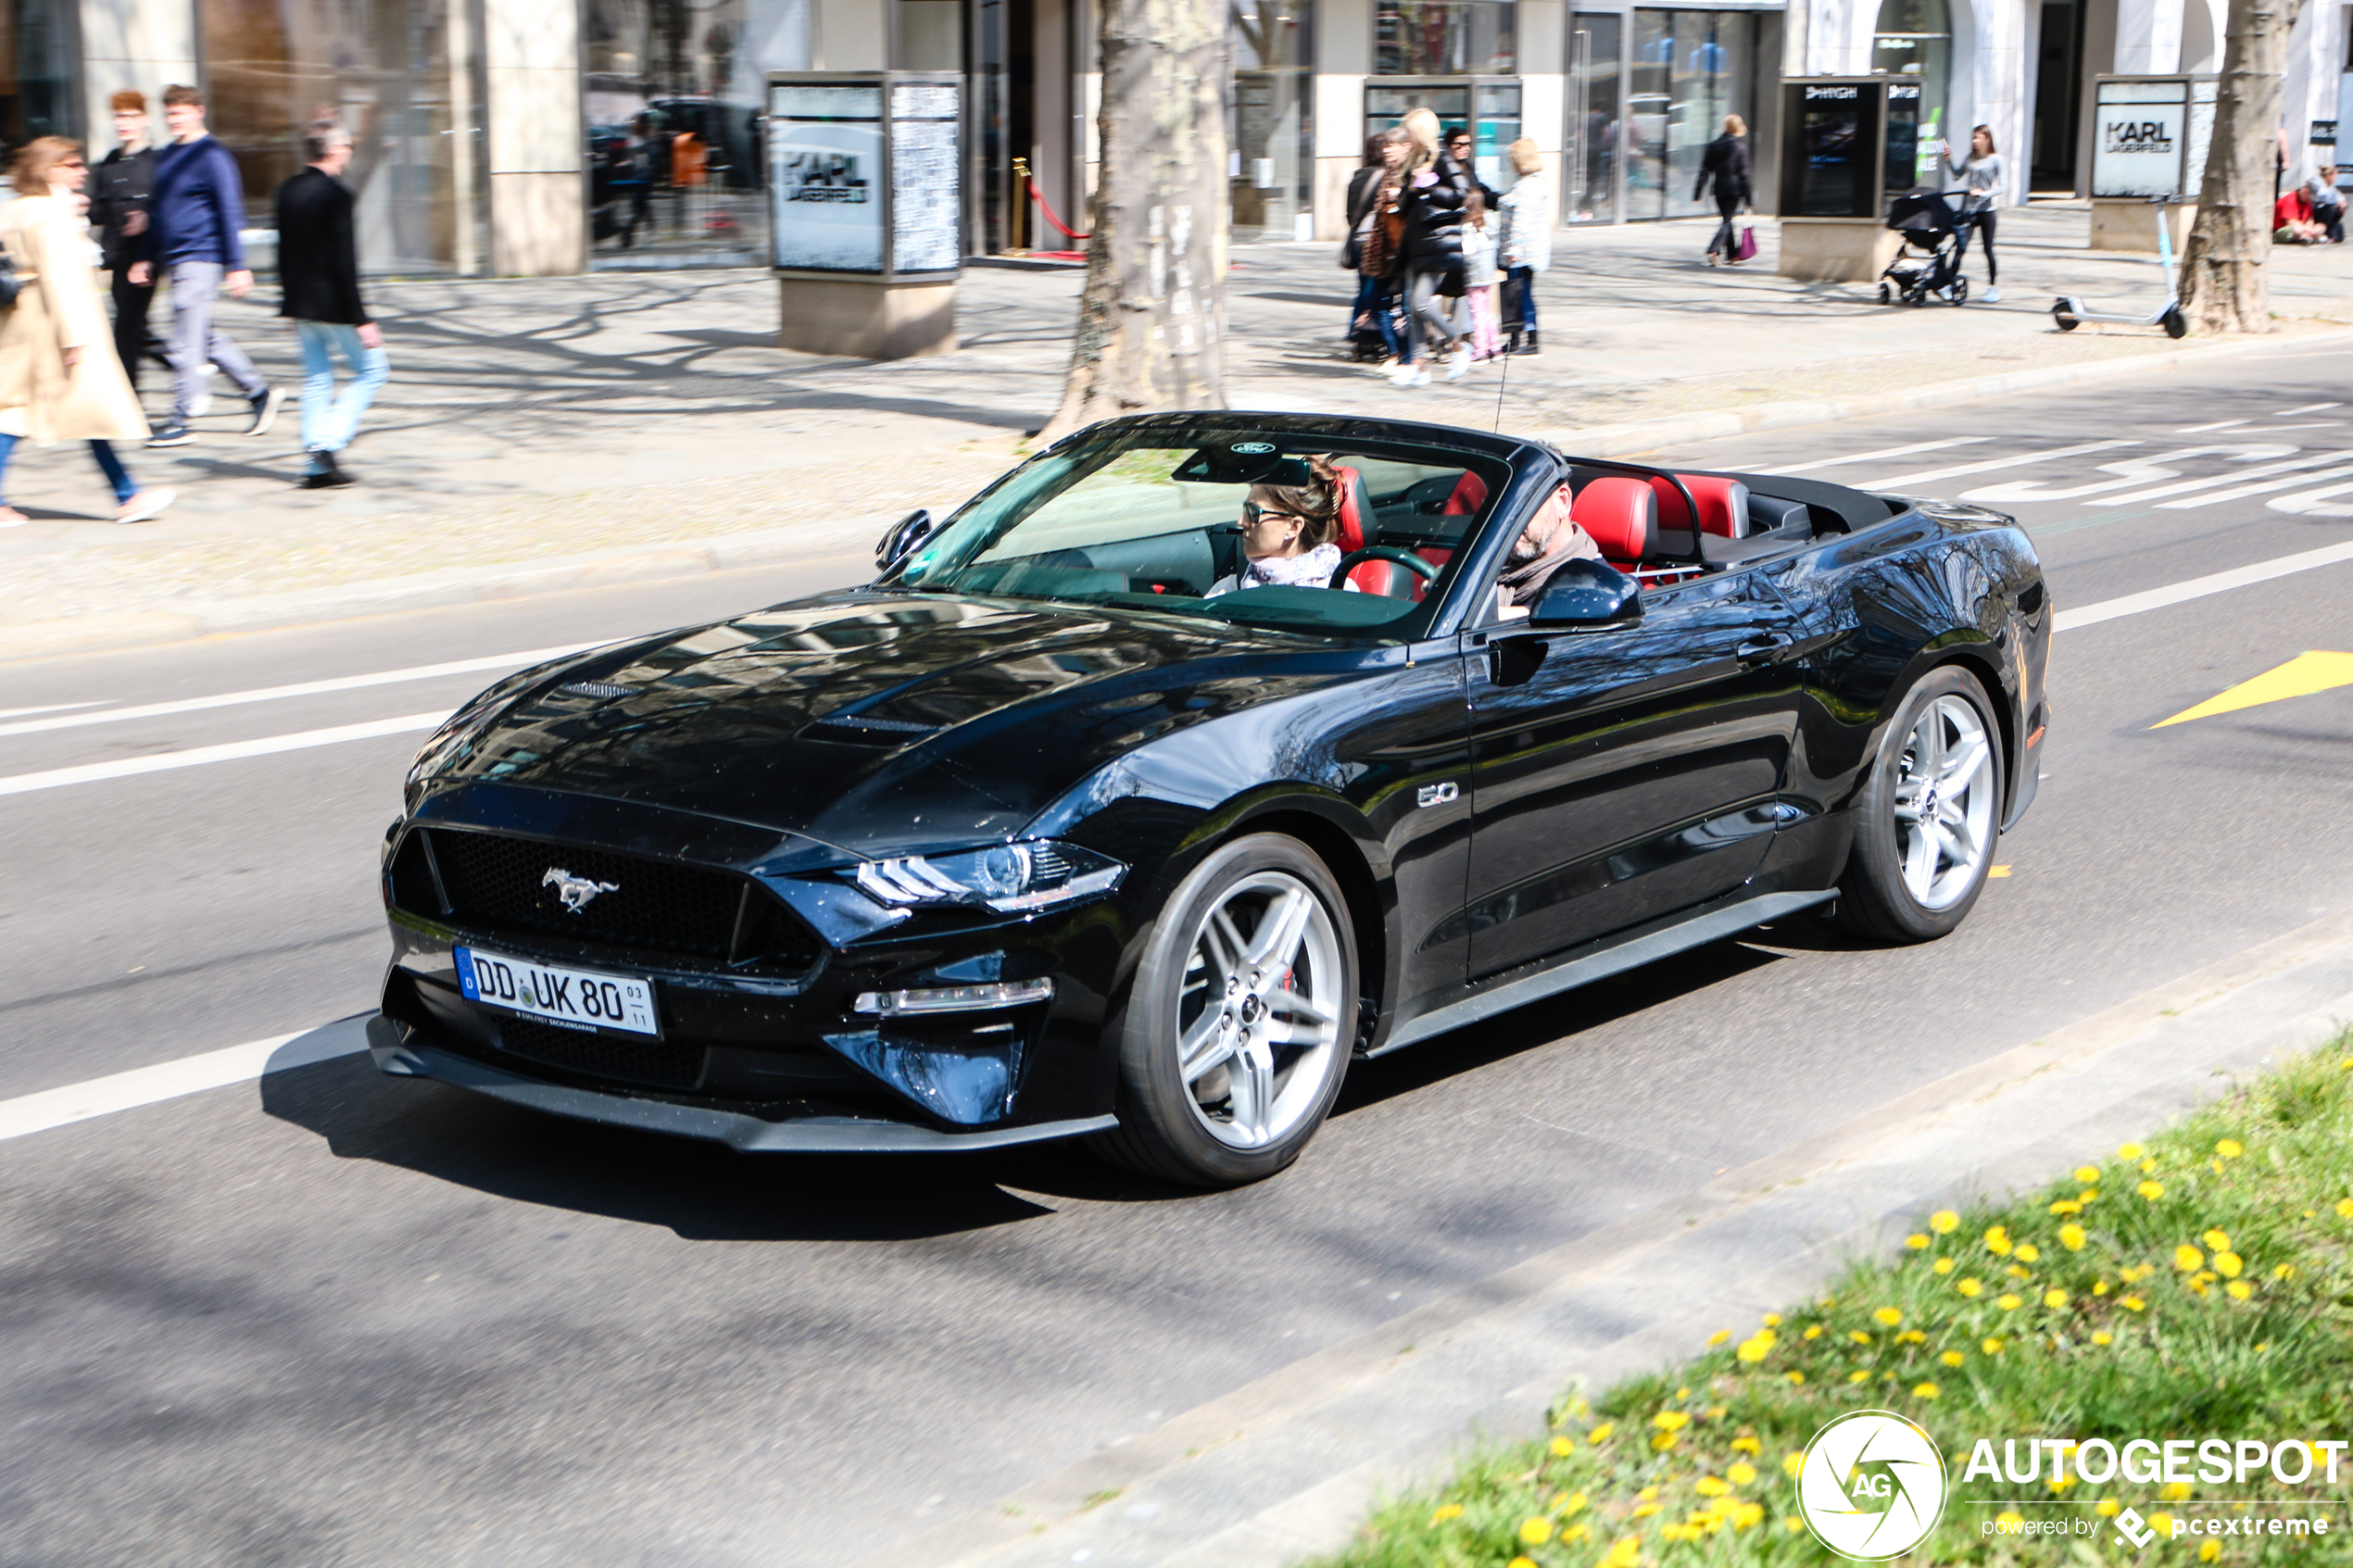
[(863, 729)]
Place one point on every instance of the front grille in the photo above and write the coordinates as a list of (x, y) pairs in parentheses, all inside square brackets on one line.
[(493, 882), (666, 1065)]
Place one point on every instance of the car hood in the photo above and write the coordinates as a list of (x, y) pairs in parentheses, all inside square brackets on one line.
[(879, 724)]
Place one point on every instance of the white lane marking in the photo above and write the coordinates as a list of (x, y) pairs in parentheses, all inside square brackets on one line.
[(1885, 452), (2199, 588), (2218, 424), (2182, 487), (2290, 482), (2130, 471), (1988, 466), (304, 688), (51, 708), (195, 757), (2307, 408), (170, 1080), (2313, 503)]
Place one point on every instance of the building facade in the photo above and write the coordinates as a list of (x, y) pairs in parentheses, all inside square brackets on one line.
[(550, 136)]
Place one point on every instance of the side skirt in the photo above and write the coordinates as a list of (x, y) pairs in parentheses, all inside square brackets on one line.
[(1611, 955)]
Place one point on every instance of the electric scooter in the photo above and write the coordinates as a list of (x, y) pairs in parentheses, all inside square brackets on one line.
[(2067, 310)]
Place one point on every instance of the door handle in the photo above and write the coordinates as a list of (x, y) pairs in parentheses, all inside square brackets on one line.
[(1764, 649)]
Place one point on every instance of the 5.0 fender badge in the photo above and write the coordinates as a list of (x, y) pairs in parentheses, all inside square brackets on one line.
[(575, 890)]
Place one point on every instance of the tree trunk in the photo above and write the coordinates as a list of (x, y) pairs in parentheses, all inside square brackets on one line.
[(1151, 323), (2223, 285)]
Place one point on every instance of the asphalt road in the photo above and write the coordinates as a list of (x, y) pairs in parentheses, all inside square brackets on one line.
[(331, 1317)]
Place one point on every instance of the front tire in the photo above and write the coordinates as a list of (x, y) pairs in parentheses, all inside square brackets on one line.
[(1240, 1023), (1927, 816)]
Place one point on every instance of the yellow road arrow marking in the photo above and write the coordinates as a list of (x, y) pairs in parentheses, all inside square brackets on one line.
[(2300, 676)]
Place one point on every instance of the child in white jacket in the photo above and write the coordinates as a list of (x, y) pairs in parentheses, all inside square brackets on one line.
[(1480, 277)]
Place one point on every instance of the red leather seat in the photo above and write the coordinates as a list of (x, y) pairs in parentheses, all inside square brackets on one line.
[(1621, 516), (1723, 504), (1355, 512)]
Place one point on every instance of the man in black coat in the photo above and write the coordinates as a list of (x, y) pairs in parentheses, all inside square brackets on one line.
[(318, 265), (120, 188), (1726, 163)]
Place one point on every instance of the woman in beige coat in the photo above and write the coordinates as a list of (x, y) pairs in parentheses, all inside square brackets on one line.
[(60, 380)]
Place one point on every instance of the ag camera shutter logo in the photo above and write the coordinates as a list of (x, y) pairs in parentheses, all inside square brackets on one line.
[(1871, 1485)]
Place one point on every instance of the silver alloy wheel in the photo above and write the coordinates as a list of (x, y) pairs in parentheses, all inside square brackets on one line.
[(1944, 803), (1258, 1015)]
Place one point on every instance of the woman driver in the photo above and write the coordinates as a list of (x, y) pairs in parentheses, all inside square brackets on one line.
[(1287, 532)]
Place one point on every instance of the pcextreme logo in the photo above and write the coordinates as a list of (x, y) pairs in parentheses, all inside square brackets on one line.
[(1871, 1485)]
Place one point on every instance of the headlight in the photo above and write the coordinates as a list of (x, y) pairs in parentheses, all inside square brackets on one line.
[(1011, 878)]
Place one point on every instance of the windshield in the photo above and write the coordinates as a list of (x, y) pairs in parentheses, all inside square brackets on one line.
[(1263, 528)]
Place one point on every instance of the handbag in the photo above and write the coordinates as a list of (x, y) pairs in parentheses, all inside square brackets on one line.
[(1747, 251)]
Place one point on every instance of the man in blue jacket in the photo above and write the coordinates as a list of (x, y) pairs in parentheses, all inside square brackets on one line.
[(198, 207)]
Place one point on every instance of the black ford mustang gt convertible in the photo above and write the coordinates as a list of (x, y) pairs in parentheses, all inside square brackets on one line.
[(1052, 831)]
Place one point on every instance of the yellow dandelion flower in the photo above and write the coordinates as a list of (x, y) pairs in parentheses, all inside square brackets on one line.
[(2217, 1240), (2066, 1205), (2102, 1337), (2011, 1517), (1792, 1462), (1992, 1346), (1891, 1316), (1771, 1320), (2131, 1303), (2089, 1195), (1709, 1486), (2099, 1287), (1942, 1266), (1445, 1512), (1945, 1222), (2129, 1151), (1535, 1531), (2055, 1299), (2162, 1523), (1671, 1421), (1859, 1374), (1970, 1288), (2016, 1272), (1602, 1433), (2151, 1190), (2028, 1252), (1796, 1379), (1911, 1337), (1953, 1357), (2009, 1302), (1574, 1533), (1625, 1552), (1747, 1446), (2176, 1491), (1570, 1506), (2228, 1149), (2286, 1271), (2344, 1208), (1757, 1345), (2071, 1237), (1716, 1413), (2188, 1258), (2061, 1483), (1722, 1336), (1793, 1524), (2228, 1264), (2240, 1290), (2209, 1550), (1684, 1393), (1997, 1241), (1859, 1336), (1918, 1241), (1813, 1331), (2087, 1175), (2109, 1508), (1925, 1391), (1563, 1448), (1643, 1511), (1742, 1474), (1523, 1560), (1748, 1515), (1663, 1442)]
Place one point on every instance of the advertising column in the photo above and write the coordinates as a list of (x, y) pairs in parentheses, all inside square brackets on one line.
[(2148, 140)]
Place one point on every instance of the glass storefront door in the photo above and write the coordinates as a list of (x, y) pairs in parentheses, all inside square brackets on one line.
[(41, 94), (674, 113), (1589, 139), (1915, 39), (1690, 70), (1270, 118)]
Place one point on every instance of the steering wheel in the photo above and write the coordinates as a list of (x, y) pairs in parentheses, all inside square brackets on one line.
[(1418, 565)]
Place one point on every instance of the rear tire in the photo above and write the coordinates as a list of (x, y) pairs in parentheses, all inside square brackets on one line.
[(1241, 1020), (2062, 321), (1886, 294), (2174, 323), (1928, 817), (1961, 293)]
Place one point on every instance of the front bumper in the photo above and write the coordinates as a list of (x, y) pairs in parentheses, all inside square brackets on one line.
[(402, 1050)]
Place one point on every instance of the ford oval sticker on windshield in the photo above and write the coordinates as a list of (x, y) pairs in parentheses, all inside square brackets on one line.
[(1250, 449)]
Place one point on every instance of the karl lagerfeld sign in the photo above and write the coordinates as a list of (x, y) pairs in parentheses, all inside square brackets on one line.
[(2148, 135)]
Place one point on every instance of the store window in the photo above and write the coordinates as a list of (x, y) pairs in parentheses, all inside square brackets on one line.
[(674, 118), (930, 35), (1690, 69), (1445, 37), (1590, 139), (1270, 117), (272, 67), (1915, 39), (41, 94)]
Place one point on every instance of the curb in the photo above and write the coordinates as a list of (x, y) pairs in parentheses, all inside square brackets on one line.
[(1290, 1465), (199, 617)]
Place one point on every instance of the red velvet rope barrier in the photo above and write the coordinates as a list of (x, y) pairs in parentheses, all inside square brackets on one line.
[(1029, 181)]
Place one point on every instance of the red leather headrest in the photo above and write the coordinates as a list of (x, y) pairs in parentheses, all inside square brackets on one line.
[(1469, 495), (1723, 504), (1356, 511), (1620, 514)]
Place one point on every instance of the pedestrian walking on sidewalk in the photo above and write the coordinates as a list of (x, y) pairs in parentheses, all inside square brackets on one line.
[(1480, 277), (59, 379), (198, 207), (119, 191), (319, 266), (1726, 163), (1431, 247), (1524, 244), (1983, 174), (1372, 196)]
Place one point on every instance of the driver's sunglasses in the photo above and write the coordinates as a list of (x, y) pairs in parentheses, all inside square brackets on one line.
[(1253, 514)]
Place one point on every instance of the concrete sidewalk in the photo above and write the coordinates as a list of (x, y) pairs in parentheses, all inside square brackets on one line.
[(545, 432)]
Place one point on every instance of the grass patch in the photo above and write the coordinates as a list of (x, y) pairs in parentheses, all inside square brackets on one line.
[(2194, 1287)]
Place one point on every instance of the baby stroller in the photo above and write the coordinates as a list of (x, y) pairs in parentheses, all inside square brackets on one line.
[(1935, 226)]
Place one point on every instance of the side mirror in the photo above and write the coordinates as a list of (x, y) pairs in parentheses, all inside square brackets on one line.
[(901, 537), (1588, 594)]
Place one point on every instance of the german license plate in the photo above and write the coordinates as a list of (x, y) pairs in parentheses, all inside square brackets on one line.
[(578, 996)]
